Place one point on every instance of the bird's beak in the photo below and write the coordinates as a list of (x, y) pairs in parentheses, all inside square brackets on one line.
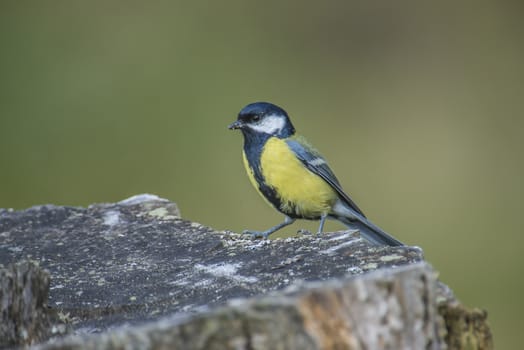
[(235, 125)]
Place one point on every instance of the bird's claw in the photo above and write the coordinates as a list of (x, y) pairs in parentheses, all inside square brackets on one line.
[(304, 232), (256, 234)]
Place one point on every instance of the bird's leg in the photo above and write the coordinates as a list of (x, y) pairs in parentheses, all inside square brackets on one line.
[(322, 221), (265, 234)]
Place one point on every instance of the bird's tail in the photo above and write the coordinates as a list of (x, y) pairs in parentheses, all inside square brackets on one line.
[(370, 231)]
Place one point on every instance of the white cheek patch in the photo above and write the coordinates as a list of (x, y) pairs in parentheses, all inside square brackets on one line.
[(271, 124)]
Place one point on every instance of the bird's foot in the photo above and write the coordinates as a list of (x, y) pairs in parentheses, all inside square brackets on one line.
[(304, 232), (257, 234)]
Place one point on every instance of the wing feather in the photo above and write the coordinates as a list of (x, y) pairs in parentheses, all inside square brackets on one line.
[(314, 161)]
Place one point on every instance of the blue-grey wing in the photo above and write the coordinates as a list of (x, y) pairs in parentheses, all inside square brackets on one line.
[(312, 160)]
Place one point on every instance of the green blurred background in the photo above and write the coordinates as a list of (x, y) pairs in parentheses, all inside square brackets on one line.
[(417, 106)]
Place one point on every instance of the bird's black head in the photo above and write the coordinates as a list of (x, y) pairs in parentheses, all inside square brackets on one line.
[(264, 118)]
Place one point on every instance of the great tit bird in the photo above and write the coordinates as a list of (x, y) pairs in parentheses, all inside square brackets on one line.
[(293, 177)]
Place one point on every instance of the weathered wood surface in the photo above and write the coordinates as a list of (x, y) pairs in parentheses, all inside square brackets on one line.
[(24, 316), (135, 272)]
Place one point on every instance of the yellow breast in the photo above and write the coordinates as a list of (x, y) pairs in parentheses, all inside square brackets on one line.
[(251, 176), (301, 191)]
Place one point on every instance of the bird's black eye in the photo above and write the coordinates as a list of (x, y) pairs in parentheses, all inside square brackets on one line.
[(255, 118)]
